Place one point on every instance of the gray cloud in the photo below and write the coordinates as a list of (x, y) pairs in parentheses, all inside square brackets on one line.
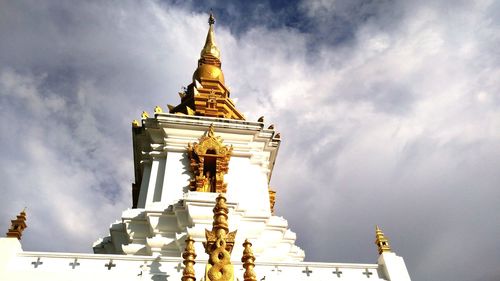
[(397, 126)]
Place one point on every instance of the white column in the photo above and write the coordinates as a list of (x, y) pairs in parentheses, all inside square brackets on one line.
[(152, 182), (393, 267)]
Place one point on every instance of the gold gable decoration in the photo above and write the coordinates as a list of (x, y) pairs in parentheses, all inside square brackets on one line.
[(209, 162)]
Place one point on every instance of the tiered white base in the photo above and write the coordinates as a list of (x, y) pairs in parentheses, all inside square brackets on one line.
[(161, 231)]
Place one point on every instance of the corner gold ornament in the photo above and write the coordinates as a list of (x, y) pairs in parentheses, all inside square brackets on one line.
[(248, 261), (381, 241), (135, 123), (189, 257), (17, 226), (219, 245), (209, 162)]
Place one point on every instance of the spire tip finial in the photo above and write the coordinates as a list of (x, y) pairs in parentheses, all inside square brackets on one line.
[(211, 18)]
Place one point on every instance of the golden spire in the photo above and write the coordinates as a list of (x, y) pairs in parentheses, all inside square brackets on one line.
[(219, 245), (18, 225), (189, 255), (210, 49), (208, 94), (248, 261), (381, 241)]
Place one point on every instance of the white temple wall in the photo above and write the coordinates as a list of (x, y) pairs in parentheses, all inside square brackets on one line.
[(177, 176), (247, 185)]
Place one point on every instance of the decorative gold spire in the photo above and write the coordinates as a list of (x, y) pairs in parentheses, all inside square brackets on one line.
[(210, 49), (208, 94), (189, 256), (248, 261), (18, 225), (219, 245), (381, 241)]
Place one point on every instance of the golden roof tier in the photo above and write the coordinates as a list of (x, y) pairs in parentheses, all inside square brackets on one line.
[(208, 95)]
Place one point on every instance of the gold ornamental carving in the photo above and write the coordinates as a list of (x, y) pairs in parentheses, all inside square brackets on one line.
[(219, 244), (209, 162)]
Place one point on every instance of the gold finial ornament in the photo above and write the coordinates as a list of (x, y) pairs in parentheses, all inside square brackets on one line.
[(158, 109), (135, 123), (17, 225), (210, 49), (248, 261), (219, 245), (144, 115), (381, 241), (189, 257)]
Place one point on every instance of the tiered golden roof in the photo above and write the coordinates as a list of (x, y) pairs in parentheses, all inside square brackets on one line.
[(208, 95)]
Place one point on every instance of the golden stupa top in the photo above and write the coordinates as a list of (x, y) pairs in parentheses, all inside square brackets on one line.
[(210, 48), (208, 94)]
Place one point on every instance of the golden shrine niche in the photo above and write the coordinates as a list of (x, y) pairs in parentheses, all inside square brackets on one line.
[(209, 162)]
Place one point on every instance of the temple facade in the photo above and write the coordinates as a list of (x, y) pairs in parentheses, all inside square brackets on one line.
[(202, 207)]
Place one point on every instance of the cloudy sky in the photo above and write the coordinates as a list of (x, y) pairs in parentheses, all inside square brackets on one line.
[(389, 113)]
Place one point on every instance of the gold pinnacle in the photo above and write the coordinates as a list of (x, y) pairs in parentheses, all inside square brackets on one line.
[(381, 241), (248, 260), (17, 225), (189, 256)]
